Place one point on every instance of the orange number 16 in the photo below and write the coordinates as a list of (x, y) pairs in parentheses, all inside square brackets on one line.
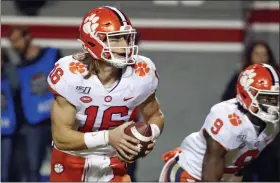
[(56, 74), (217, 126)]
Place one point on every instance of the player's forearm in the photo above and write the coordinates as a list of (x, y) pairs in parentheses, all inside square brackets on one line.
[(213, 169), (69, 140), (158, 120), (73, 140)]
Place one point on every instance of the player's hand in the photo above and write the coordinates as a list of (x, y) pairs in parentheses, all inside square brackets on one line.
[(150, 147), (124, 144)]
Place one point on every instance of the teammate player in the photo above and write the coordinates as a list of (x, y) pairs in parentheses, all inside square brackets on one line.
[(96, 92), (234, 132)]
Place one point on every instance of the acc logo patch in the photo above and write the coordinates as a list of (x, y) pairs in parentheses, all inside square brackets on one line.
[(86, 99)]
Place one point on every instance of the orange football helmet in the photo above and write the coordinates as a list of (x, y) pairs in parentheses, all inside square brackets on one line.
[(101, 24), (255, 81)]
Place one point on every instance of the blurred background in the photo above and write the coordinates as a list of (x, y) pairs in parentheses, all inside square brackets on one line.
[(197, 46)]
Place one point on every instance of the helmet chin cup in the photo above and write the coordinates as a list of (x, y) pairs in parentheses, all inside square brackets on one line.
[(269, 116), (120, 62)]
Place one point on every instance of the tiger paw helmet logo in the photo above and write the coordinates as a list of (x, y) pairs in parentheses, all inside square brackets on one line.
[(141, 69), (77, 68), (247, 78), (58, 168), (90, 24)]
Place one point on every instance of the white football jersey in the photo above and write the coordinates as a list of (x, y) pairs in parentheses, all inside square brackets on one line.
[(97, 108), (234, 131)]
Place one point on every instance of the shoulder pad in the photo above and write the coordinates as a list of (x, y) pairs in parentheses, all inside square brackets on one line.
[(223, 125)]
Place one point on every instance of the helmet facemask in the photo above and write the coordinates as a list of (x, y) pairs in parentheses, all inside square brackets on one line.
[(264, 105), (117, 57)]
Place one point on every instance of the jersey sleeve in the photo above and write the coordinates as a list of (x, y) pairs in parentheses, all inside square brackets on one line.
[(154, 79), (60, 81), (155, 82), (217, 125)]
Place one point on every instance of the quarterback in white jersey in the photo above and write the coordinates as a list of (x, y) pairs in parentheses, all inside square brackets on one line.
[(234, 132), (95, 94)]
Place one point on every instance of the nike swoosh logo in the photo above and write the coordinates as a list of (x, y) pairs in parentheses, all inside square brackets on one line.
[(126, 99)]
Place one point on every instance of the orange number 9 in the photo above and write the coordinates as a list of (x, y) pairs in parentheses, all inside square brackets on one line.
[(56, 74), (217, 126)]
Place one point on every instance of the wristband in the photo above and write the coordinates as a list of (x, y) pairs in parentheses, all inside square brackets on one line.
[(155, 131), (96, 139)]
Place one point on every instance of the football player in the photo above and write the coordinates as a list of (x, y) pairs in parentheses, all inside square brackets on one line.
[(233, 134), (95, 94)]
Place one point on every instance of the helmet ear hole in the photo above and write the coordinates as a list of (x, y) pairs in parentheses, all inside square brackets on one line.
[(91, 44)]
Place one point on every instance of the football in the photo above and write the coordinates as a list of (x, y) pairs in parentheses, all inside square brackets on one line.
[(143, 132)]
